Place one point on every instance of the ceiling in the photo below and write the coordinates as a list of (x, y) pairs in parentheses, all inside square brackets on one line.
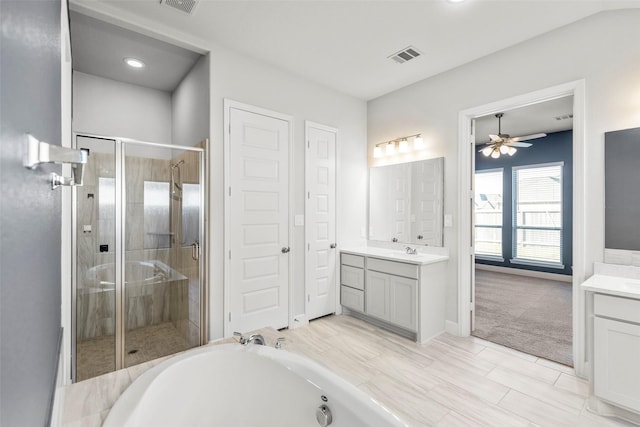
[(345, 45), (99, 48), (535, 118)]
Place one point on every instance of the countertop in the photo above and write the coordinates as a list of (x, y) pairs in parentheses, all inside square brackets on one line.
[(613, 285), (396, 255)]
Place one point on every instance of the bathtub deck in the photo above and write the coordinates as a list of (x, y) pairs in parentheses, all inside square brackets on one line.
[(450, 381)]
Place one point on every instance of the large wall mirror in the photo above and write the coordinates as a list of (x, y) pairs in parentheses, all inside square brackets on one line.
[(622, 189), (405, 202)]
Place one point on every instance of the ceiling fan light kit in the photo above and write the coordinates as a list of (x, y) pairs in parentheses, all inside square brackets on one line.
[(503, 143)]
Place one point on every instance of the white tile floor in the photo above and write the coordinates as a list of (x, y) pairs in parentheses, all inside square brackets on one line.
[(450, 381)]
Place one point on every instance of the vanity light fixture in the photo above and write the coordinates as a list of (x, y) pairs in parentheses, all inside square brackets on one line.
[(402, 143)]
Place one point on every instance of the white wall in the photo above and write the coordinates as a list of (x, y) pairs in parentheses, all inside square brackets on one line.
[(602, 49), (190, 106), (110, 108), (242, 79)]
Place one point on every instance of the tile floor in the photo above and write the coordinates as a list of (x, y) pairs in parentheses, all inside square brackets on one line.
[(450, 381)]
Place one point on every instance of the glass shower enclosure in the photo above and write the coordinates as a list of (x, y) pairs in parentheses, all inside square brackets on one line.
[(139, 229)]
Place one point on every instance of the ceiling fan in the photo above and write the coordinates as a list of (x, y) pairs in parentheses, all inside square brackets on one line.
[(503, 143)]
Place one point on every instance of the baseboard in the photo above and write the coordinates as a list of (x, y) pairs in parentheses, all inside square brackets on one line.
[(298, 321), (57, 399), (526, 273), (451, 327)]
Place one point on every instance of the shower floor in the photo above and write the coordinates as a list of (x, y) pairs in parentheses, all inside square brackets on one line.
[(96, 356)]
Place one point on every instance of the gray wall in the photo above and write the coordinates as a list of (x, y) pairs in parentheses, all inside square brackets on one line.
[(29, 213)]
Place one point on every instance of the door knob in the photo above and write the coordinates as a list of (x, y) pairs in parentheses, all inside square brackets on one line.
[(333, 246), (420, 237), (286, 250)]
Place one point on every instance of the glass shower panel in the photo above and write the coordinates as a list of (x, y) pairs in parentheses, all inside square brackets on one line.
[(95, 283), (162, 288)]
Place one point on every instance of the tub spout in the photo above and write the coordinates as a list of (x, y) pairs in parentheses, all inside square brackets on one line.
[(256, 339)]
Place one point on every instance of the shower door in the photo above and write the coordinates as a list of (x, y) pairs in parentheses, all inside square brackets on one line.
[(139, 228)]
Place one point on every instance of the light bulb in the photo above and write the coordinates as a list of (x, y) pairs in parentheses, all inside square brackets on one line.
[(390, 149), (487, 151), (495, 154), (377, 152), (512, 151), (133, 62), (504, 149), (418, 143), (403, 146)]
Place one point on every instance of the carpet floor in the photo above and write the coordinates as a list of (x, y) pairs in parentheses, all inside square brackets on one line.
[(528, 314)]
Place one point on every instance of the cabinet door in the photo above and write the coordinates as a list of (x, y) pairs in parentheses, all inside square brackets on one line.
[(616, 367), (403, 302), (376, 295)]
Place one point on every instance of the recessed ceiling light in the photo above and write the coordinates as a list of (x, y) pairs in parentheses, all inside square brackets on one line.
[(455, 1), (133, 62)]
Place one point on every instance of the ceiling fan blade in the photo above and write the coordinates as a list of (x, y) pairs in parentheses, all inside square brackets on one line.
[(527, 137), (518, 144), (495, 138)]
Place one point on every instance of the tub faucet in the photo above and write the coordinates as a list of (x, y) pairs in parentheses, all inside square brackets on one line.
[(256, 339), (410, 251)]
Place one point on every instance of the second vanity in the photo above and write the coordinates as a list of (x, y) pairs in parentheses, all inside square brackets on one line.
[(405, 293)]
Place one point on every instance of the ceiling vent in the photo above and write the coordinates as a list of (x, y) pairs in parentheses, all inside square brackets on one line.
[(564, 117), (406, 54), (185, 6)]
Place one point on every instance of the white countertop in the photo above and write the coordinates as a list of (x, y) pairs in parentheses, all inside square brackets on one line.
[(613, 285), (396, 255)]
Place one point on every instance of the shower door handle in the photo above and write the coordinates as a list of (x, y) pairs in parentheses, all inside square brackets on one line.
[(195, 250)]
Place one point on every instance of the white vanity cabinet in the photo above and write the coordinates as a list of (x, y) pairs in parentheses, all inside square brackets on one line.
[(613, 320), (405, 294), (352, 281), (616, 345), (391, 297)]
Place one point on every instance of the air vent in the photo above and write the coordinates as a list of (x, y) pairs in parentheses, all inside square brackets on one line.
[(564, 117), (406, 54), (185, 6)]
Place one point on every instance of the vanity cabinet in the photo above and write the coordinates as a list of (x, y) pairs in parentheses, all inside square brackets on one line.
[(405, 297), (352, 281), (616, 349), (392, 298)]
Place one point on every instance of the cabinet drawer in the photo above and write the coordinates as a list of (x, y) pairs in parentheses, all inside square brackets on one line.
[(352, 260), (392, 267), (617, 308), (352, 298), (352, 276)]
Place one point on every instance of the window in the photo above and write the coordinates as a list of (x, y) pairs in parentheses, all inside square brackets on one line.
[(537, 214), (488, 214)]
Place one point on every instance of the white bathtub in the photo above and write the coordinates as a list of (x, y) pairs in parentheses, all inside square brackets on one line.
[(233, 385)]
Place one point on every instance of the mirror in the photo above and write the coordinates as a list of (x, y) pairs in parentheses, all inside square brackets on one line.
[(622, 189), (405, 202)]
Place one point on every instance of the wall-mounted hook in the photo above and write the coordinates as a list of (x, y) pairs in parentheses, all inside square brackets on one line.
[(37, 152)]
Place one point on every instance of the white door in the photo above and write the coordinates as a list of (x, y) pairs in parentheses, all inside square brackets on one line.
[(258, 225), (426, 203), (320, 207)]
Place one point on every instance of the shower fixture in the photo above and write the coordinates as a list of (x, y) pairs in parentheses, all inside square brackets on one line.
[(176, 185)]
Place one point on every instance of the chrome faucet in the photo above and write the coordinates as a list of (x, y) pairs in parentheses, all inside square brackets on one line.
[(410, 251), (256, 339)]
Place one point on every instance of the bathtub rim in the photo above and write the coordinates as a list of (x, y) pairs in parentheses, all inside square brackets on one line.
[(125, 409)]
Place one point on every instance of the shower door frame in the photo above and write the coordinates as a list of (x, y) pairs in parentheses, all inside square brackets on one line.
[(120, 254)]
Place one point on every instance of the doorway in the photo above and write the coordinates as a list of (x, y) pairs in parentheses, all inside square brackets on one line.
[(523, 230), (138, 236), (466, 241)]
